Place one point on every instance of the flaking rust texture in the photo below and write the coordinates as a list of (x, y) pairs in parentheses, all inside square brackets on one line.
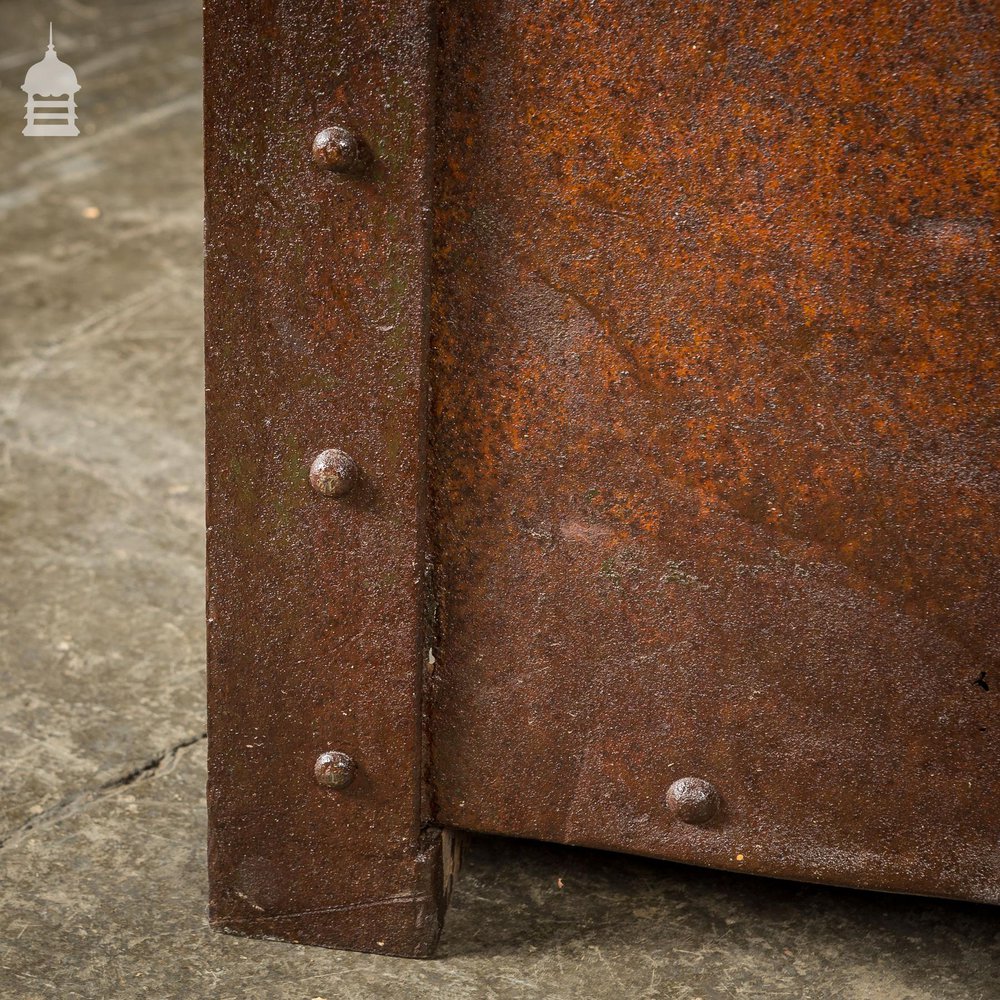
[(715, 438)]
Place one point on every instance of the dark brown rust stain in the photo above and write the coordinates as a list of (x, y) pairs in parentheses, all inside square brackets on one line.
[(316, 333), (715, 437)]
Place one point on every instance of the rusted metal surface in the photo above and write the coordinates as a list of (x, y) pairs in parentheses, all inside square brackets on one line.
[(317, 304), (712, 449), (715, 433)]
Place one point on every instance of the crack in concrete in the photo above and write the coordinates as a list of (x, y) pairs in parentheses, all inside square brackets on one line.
[(161, 763)]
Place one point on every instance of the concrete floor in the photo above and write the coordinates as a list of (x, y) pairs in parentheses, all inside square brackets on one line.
[(101, 638)]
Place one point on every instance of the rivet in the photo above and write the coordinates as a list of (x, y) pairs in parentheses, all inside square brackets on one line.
[(334, 769), (693, 800), (333, 473), (340, 150)]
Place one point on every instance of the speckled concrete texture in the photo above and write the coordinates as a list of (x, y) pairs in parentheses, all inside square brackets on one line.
[(101, 638)]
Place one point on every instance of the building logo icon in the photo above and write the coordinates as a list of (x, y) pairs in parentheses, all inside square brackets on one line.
[(50, 78)]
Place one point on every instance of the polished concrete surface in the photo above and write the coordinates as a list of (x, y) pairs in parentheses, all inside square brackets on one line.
[(102, 816)]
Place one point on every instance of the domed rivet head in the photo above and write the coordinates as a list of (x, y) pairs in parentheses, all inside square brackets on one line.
[(693, 800), (334, 769), (333, 473), (340, 150)]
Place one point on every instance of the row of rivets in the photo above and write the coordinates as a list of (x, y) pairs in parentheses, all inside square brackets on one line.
[(334, 473)]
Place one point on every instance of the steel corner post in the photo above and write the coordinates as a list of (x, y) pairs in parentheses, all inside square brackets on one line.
[(318, 211)]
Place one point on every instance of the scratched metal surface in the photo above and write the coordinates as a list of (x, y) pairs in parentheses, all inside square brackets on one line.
[(317, 289), (715, 433)]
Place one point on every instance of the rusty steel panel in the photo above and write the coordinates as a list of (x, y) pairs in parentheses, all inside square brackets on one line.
[(317, 203), (714, 443)]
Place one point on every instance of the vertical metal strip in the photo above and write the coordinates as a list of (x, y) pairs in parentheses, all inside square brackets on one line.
[(317, 286)]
